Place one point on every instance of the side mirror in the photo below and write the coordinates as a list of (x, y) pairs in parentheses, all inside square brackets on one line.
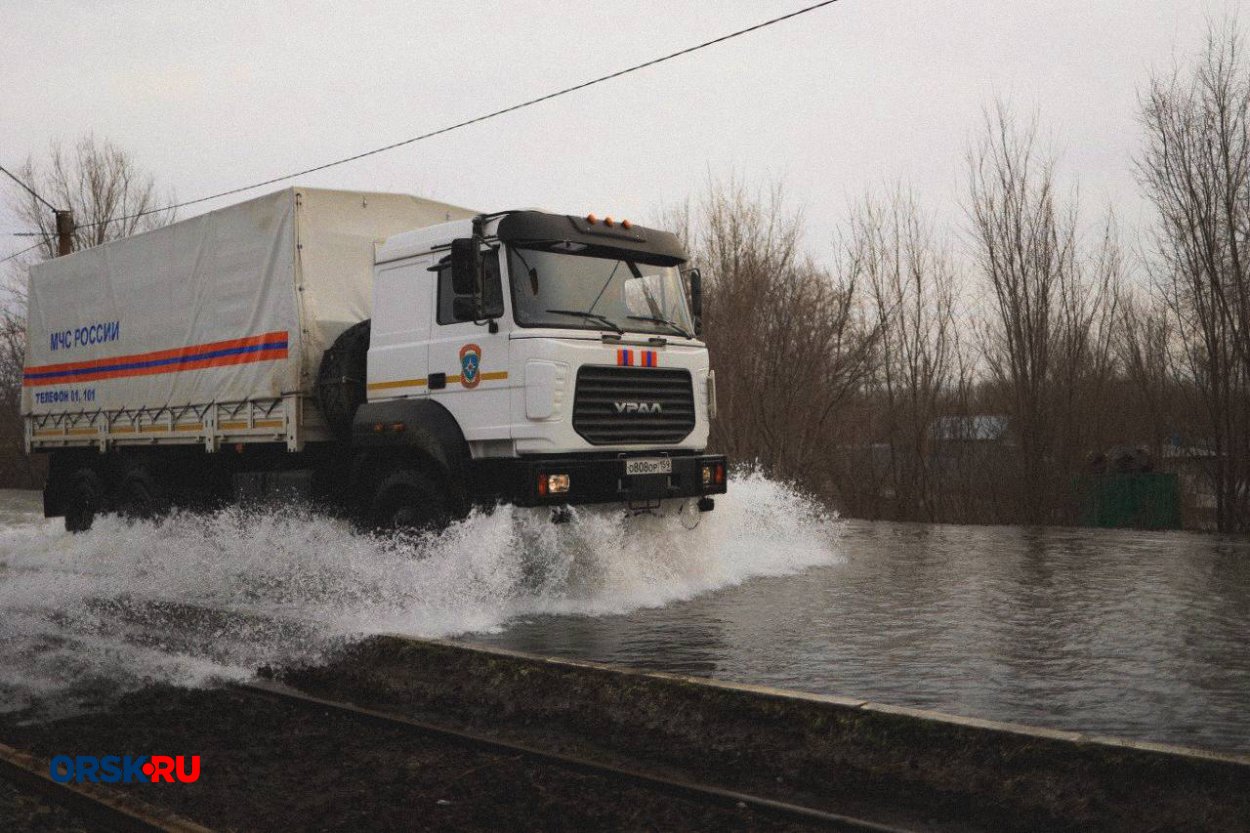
[(696, 300), (466, 266), (464, 308)]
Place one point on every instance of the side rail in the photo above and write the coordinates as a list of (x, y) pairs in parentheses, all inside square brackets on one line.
[(272, 420)]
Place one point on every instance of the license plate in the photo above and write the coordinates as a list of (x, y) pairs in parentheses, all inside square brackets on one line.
[(648, 465)]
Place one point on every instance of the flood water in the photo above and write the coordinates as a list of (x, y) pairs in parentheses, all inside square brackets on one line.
[(1132, 634), (1137, 635)]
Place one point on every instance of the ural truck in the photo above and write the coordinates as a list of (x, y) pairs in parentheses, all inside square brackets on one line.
[(392, 358)]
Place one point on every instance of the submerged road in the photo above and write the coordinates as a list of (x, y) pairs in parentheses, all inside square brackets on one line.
[(1142, 635), (1129, 634)]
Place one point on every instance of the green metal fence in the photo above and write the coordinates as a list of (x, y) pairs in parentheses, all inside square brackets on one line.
[(1145, 500)]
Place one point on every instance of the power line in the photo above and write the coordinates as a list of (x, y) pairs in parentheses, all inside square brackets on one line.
[(30, 190), (22, 252), (477, 119)]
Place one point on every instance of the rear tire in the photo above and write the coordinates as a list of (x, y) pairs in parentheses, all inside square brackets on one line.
[(341, 379), (139, 496), (409, 499), (82, 500)]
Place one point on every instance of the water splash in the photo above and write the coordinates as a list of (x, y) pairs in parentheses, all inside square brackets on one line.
[(195, 598)]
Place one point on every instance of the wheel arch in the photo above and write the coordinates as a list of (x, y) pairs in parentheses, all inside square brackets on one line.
[(411, 430)]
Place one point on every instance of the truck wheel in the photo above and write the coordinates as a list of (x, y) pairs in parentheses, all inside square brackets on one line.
[(409, 499), (341, 378), (139, 497), (82, 500)]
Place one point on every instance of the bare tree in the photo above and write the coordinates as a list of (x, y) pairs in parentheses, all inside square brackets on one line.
[(108, 193), (1196, 170), (1025, 251), (16, 468), (910, 285), (788, 342), (1087, 415), (1047, 331), (111, 197), (1144, 343)]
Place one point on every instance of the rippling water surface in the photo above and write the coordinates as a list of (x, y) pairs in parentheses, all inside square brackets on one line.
[(1140, 635)]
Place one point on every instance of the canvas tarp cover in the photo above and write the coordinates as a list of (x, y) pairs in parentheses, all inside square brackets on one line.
[(337, 232), (228, 306)]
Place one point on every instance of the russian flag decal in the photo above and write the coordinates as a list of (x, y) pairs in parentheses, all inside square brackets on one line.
[(648, 358)]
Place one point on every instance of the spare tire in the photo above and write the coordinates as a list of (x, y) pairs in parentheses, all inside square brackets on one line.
[(341, 378)]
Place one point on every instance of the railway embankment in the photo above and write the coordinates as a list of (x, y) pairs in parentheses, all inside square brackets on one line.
[(397, 733), (898, 764)]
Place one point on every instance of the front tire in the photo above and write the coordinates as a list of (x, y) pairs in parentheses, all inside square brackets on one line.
[(409, 499), (82, 500)]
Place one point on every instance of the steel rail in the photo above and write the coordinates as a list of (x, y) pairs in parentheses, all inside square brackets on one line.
[(729, 799), (105, 811)]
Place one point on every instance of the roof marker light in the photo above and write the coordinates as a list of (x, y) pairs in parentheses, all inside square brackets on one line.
[(592, 219), (626, 224), (607, 221)]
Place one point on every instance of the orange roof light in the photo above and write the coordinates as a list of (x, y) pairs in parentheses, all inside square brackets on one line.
[(592, 219), (607, 221), (626, 224)]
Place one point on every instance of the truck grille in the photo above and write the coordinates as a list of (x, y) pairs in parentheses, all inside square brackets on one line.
[(618, 405)]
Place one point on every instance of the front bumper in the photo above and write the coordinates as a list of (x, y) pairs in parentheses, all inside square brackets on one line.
[(597, 480)]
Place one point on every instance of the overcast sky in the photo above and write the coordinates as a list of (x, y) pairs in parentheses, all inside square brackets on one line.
[(212, 95)]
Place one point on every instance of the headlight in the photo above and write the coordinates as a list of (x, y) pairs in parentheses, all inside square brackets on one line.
[(553, 484)]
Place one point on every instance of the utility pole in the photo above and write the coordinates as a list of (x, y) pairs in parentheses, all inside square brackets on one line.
[(64, 232)]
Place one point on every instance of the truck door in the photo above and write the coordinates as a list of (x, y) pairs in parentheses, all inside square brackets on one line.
[(400, 334), (469, 364)]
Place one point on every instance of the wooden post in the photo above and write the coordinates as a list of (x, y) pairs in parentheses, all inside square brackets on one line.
[(64, 232)]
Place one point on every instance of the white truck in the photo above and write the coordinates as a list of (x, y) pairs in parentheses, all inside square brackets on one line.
[(388, 357)]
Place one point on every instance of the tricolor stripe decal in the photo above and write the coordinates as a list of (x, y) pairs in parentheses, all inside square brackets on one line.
[(261, 348), (647, 358)]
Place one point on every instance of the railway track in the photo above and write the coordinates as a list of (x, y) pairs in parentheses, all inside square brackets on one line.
[(476, 683), (105, 809), (681, 788)]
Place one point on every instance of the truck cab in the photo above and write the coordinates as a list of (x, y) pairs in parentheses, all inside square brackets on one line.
[(564, 349)]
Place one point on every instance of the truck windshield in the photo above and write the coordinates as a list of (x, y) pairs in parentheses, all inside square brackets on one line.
[(576, 291)]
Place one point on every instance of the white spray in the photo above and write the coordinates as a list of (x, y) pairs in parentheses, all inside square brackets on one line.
[(196, 598)]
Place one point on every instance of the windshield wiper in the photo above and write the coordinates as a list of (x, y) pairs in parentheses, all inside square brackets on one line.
[(593, 316), (677, 327)]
